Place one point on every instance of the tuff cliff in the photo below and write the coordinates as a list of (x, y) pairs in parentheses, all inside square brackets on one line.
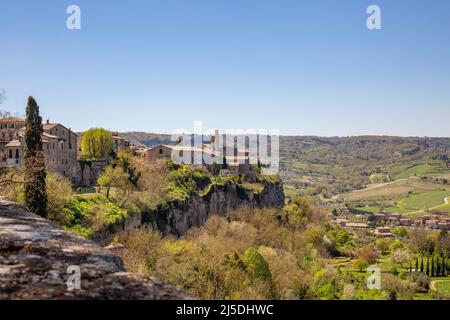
[(177, 217), (35, 255), (180, 216)]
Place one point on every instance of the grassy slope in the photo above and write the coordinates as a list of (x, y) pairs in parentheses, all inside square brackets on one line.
[(393, 190), (430, 168), (443, 287)]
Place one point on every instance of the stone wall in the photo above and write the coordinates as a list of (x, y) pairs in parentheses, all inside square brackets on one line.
[(35, 255)]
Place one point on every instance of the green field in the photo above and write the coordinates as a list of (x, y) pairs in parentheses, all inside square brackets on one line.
[(402, 196), (423, 201), (416, 202), (443, 287), (431, 168), (443, 208), (396, 190)]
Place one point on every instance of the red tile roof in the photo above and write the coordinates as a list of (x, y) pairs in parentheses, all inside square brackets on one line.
[(11, 120)]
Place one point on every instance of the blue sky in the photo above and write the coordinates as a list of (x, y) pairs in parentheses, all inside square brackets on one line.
[(304, 67)]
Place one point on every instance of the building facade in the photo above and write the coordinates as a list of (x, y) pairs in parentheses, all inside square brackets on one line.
[(59, 146)]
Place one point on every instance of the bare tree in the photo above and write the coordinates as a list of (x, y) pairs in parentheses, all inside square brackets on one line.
[(2, 95), (3, 114)]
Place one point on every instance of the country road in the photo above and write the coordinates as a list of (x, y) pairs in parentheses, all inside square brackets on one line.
[(433, 284)]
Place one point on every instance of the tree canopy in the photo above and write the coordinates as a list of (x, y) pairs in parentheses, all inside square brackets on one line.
[(97, 143)]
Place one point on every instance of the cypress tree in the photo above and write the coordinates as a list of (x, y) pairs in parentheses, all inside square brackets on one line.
[(421, 265), (432, 267), (444, 267), (438, 267), (428, 266), (224, 163), (35, 173), (417, 265)]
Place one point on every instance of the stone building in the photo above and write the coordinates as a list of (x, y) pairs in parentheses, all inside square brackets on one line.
[(185, 154), (59, 147), (9, 131), (120, 143), (237, 159)]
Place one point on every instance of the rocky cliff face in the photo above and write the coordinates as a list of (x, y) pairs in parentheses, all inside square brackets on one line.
[(179, 216), (37, 259)]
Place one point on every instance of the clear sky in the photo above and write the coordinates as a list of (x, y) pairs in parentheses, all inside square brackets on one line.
[(305, 67)]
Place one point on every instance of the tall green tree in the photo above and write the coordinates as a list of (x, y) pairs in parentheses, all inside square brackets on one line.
[(417, 265), (438, 267), (34, 162), (444, 267), (97, 143), (432, 266)]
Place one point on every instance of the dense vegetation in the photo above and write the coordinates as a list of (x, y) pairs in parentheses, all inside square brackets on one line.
[(288, 254)]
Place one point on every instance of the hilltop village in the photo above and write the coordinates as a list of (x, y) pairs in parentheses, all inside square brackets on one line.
[(64, 155)]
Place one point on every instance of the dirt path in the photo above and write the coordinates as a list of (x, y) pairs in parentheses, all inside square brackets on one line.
[(433, 284)]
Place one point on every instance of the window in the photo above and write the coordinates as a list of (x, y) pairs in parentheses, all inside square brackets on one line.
[(10, 153), (62, 145), (160, 151), (17, 153)]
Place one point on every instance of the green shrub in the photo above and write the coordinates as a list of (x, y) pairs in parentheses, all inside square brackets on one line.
[(257, 265), (89, 213)]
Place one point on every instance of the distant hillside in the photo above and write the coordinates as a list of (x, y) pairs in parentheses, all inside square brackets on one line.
[(327, 166), (147, 139)]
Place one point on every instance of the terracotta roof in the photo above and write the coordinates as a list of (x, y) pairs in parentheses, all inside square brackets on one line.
[(11, 120), (48, 126), (180, 148), (13, 144)]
